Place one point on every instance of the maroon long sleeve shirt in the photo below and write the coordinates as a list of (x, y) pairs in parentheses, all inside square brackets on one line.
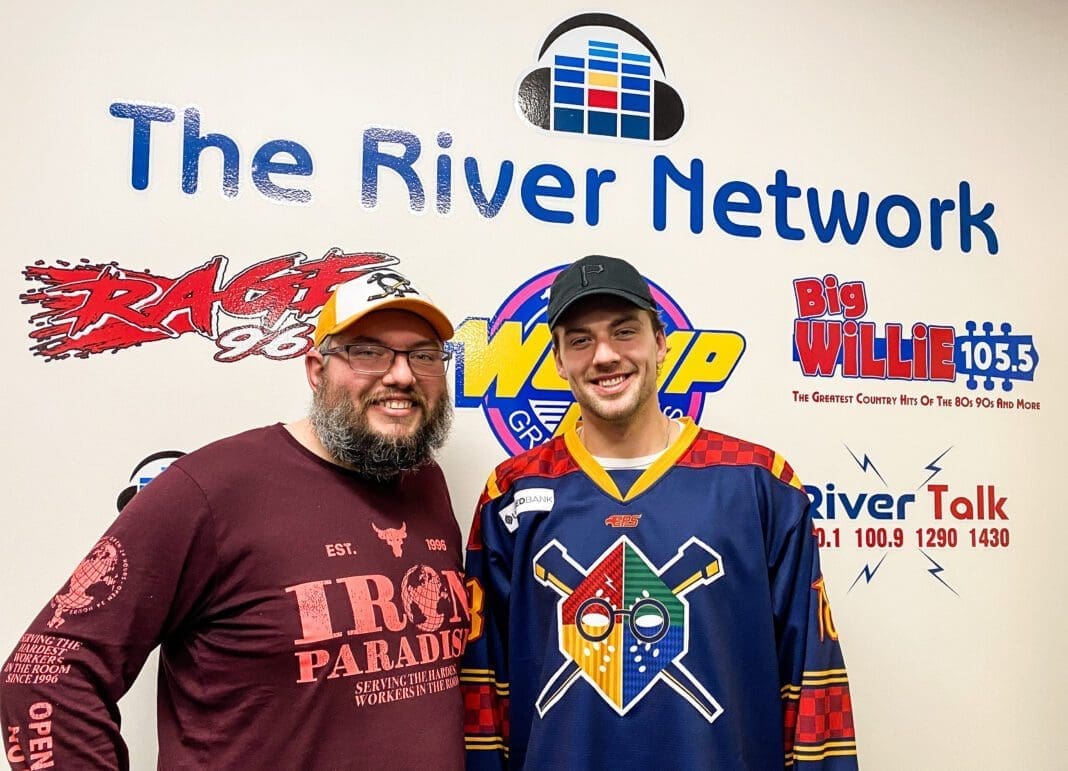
[(306, 618)]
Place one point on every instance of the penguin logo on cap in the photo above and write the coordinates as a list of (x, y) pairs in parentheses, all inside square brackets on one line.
[(391, 284), (600, 75)]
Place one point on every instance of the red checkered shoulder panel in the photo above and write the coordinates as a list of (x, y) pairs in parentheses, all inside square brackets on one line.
[(549, 460), (712, 448)]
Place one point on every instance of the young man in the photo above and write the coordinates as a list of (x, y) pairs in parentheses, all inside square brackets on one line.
[(645, 593), (303, 581)]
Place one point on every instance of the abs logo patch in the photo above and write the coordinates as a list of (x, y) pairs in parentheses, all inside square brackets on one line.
[(622, 520), (600, 75), (624, 624), (504, 365)]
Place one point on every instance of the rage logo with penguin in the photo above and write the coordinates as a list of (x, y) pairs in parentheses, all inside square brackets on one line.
[(504, 365)]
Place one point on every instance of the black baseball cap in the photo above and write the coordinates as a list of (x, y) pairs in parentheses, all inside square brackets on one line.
[(597, 274)]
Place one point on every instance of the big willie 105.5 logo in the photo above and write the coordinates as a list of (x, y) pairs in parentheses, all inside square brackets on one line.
[(831, 338), (504, 365)]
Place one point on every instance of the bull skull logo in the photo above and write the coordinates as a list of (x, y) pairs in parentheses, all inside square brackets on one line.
[(394, 536)]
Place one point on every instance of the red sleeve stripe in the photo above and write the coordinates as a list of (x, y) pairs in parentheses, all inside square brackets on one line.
[(485, 716), (818, 720)]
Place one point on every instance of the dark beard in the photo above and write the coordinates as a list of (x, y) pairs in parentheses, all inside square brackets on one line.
[(343, 429)]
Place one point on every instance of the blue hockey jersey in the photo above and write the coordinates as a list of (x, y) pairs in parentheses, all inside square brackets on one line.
[(681, 623)]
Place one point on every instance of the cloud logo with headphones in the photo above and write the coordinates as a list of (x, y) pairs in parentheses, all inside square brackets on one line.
[(600, 75)]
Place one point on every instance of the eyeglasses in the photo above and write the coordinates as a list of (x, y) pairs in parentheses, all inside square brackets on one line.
[(648, 619), (368, 359)]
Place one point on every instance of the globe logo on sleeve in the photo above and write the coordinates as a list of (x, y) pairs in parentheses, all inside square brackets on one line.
[(95, 582)]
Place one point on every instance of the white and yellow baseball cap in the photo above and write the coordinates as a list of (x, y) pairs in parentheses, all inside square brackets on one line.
[(377, 290)]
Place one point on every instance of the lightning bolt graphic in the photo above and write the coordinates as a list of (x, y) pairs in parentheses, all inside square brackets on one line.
[(937, 568), (934, 468), (608, 582), (866, 463), (866, 573)]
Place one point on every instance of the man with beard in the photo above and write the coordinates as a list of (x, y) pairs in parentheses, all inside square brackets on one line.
[(645, 593), (303, 582)]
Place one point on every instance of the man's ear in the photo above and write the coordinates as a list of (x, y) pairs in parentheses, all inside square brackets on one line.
[(556, 360), (314, 364)]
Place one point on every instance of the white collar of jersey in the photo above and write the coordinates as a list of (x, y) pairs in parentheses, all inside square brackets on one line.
[(627, 464), (659, 465), (636, 464)]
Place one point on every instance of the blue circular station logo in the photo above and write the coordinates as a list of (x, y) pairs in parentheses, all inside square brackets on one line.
[(505, 366)]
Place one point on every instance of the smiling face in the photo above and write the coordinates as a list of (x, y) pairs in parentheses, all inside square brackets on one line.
[(397, 402), (608, 351), (381, 423)]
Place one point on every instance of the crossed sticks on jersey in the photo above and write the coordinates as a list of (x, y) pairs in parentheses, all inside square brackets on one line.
[(617, 617)]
